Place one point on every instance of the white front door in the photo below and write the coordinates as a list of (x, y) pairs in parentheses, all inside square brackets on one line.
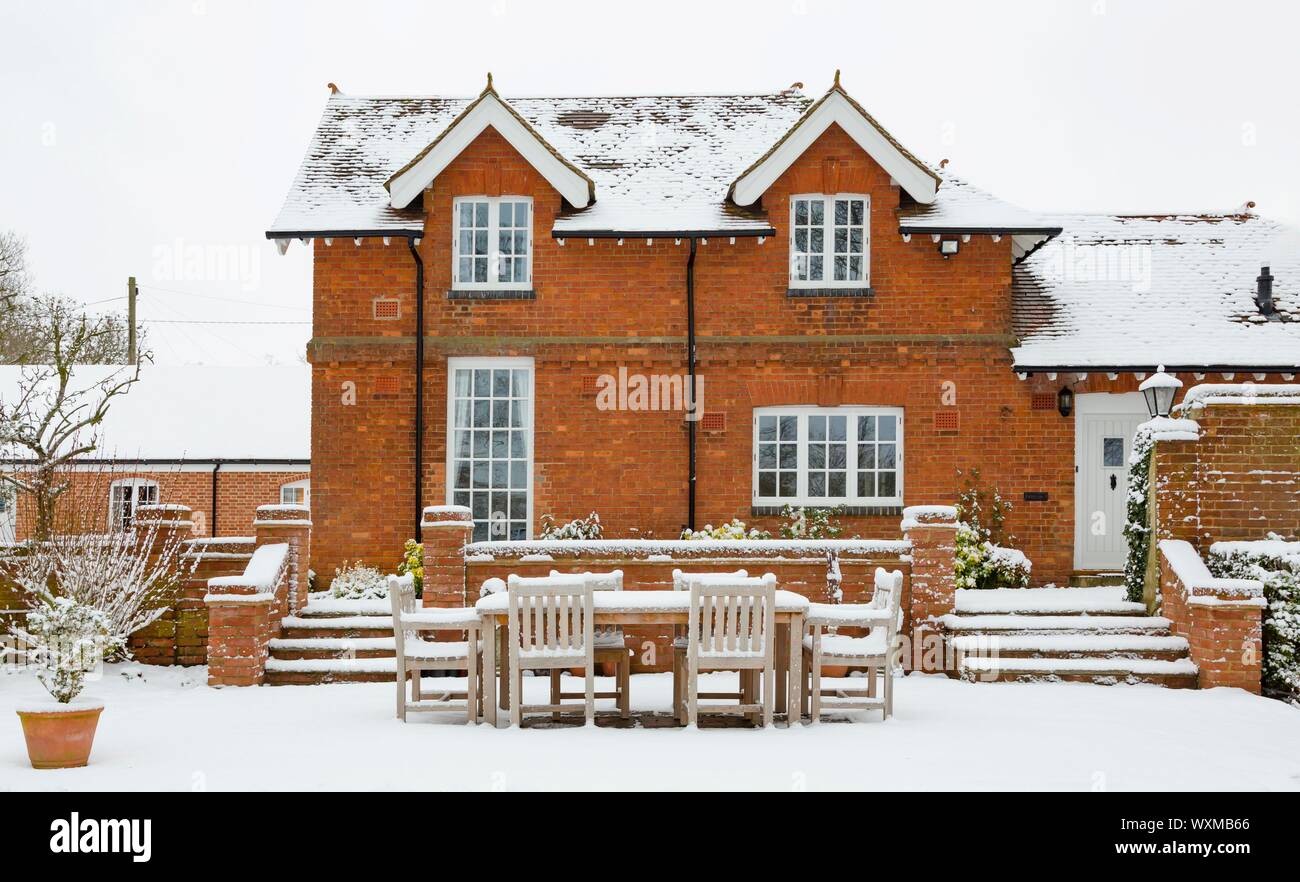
[(1104, 425)]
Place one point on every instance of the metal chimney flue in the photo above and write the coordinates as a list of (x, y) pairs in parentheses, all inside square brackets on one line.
[(1264, 293)]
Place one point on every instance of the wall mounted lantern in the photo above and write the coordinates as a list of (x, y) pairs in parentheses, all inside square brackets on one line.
[(1159, 390)]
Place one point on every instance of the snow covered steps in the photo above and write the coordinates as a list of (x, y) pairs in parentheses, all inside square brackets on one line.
[(334, 641), (1089, 634)]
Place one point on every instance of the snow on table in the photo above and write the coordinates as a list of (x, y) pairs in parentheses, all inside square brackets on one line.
[(158, 729)]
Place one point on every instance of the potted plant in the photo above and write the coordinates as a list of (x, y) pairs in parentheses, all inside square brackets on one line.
[(65, 641)]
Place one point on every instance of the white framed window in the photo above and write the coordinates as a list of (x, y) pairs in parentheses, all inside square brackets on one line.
[(830, 241), (296, 492), (125, 496), (490, 444), (825, 456), (492, 244)]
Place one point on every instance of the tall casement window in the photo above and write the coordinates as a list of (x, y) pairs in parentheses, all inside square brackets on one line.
[(493, 242), (490, 444), (828, 456), (829, 241), (125, 496)]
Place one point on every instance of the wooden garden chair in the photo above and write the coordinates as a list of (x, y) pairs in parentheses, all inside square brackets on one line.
[(748, 688), (414, 655), (732, 626), (551, 627), (877, 651), (608, 646)]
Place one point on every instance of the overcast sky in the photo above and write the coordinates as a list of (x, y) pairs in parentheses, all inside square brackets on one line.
[(138, 133)]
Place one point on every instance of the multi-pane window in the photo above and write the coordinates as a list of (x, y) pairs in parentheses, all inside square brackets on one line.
[(125, 496), (828, 241), (296, 493), (490, 444), (493, 242), (828, 456)]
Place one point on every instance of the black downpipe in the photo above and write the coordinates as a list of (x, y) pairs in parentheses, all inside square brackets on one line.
[(419, 384), (212, 530), (691, 417)]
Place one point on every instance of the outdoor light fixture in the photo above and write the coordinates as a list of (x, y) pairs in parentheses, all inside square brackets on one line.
[(1159, 390), (949, 247), (1065, 401)]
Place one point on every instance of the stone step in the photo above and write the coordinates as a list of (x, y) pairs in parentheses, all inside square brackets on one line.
[(1133, 646), (1046, 602), (334, 627), (1179, 674), (1092, 580), (344, 608), (293, 672), (338, 647), (974, 624)]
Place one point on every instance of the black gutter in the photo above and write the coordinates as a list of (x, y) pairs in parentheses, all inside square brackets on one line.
[(691, 417), (344, 234), (1169, 369), (663, 234), (419, 384), (161, 461)]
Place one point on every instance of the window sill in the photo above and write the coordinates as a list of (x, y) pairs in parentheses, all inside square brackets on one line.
[(767, 511), (492, 294), (830, 292)]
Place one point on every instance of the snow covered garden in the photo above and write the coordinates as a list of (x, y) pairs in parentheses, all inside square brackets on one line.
[(164, 729)]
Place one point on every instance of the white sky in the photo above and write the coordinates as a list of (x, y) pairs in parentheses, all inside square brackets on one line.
[(133, 132)]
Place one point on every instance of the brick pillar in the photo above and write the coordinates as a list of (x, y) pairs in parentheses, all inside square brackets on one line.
[(203, 559), (1174, 485), (290, 524), (1222, 619), (165, 527), (244, 613), (932, 530), (444, 532)]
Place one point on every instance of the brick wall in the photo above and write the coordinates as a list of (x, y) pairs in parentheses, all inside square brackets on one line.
[(239, 493), (933, 339)]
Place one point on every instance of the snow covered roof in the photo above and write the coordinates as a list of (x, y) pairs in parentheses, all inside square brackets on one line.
[(963, 208), (657, 164), (198, 412), (1179, 290)]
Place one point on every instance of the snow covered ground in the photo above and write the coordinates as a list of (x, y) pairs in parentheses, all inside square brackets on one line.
[(165, 730)]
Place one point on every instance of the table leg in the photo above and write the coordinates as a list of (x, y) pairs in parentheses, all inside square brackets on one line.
[(488, 677), (795, 691)]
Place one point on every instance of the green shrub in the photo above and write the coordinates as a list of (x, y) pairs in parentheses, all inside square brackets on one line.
[(1138, 529), (982, 561), (413, 562), (1276, 563)]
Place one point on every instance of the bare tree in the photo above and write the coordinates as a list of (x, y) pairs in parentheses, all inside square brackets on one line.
[(14, 281), (53, 420)]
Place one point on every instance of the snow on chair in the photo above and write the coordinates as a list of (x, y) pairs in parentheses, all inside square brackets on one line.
[(731, 627), (877, 651), (608, 647), (748, 687), (551, 627), (415, 655)]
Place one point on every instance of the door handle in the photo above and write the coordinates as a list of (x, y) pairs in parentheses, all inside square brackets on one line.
[(1113, 482)]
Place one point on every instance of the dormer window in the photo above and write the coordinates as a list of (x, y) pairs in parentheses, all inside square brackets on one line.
[(829, 241), (493, 242)]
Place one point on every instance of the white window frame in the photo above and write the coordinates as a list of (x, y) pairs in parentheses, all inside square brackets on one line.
[(514, 363), (828, 242), (115, 523), (494, 253), (304, 485), (851, 483)]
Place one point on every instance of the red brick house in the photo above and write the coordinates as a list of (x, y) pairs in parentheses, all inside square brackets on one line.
[(490, 274), (217, 439)]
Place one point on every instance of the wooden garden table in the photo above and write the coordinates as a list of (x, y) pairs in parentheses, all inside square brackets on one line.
[(648, 608)]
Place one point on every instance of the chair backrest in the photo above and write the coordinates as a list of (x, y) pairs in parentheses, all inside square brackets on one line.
[(680, 583), (401, 595), (889, 595), (732, 615), (553, 613), (611, 581)]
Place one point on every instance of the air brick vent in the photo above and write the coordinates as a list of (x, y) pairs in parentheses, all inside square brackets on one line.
[(948, 420), (387, 308)]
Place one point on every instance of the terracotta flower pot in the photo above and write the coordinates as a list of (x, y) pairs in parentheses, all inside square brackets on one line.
[(60, 737)]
